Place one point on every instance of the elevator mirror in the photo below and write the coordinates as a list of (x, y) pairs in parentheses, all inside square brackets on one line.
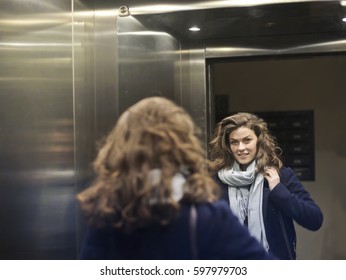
[(295, 95)]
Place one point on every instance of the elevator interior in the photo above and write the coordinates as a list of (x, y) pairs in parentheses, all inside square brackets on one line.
[(69, 68)]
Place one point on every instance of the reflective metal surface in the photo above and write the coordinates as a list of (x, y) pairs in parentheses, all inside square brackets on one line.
[(148, 63), (36, 131), (194, 99), (326, 47)]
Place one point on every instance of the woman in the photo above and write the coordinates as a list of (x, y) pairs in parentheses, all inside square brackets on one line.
[(264, 195), (151, 183)]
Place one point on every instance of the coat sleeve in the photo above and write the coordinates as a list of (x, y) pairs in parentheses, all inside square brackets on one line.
[(294, 201)]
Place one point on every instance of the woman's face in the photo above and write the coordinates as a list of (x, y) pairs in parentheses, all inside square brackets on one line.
[(243, 144)]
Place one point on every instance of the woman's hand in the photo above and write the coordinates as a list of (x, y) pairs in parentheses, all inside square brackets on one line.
[(272, 176)]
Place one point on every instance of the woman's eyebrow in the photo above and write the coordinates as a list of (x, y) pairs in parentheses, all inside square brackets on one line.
[(248, 136)]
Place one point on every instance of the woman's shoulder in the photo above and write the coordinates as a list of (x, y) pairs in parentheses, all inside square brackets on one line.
[(290, 179), (287, 171), (215, 212), (218, 206)]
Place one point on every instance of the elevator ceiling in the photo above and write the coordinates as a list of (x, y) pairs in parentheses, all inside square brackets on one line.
[(277, 25)]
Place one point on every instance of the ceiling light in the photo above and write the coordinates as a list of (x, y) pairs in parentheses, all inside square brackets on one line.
[(194, 28)]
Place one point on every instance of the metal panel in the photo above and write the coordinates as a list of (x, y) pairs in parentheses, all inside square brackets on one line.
[(37, 212), (147, 63), (96, 95), (84, 104), (194, 88)]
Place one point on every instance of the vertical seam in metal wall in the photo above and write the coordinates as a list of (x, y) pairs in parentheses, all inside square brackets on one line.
[(74, 122), (117, 93), (181, 74), (210, 103), (205, 102), (94, 75)]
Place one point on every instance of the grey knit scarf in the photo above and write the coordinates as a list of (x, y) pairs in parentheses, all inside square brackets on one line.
[(245, 201)]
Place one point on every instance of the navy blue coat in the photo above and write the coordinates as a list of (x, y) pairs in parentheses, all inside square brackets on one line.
[(292, 202), (219, 236)]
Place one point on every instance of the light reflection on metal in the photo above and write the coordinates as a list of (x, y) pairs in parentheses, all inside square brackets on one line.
[(144, 33), (167, 8), (333, 46), (30, 45), (98, 13), (227, 51), (31, 22)]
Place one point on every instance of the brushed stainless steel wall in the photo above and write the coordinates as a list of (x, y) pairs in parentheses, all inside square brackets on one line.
[(148, 63), (37, 211), (194, 92), (67, 72)]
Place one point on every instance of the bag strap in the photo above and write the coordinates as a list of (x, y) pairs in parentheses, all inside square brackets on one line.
[(283, 229), (193, 232)]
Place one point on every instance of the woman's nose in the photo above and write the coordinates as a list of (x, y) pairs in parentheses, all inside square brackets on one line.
[(241, 146)]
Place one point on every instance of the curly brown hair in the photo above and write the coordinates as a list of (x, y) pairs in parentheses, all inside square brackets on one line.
[(155, 133), (268, 151)]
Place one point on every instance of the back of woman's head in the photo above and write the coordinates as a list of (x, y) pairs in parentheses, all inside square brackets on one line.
[(267, 149), (153, 134)]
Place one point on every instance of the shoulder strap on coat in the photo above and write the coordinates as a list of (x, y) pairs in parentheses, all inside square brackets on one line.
[(193, 231)]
